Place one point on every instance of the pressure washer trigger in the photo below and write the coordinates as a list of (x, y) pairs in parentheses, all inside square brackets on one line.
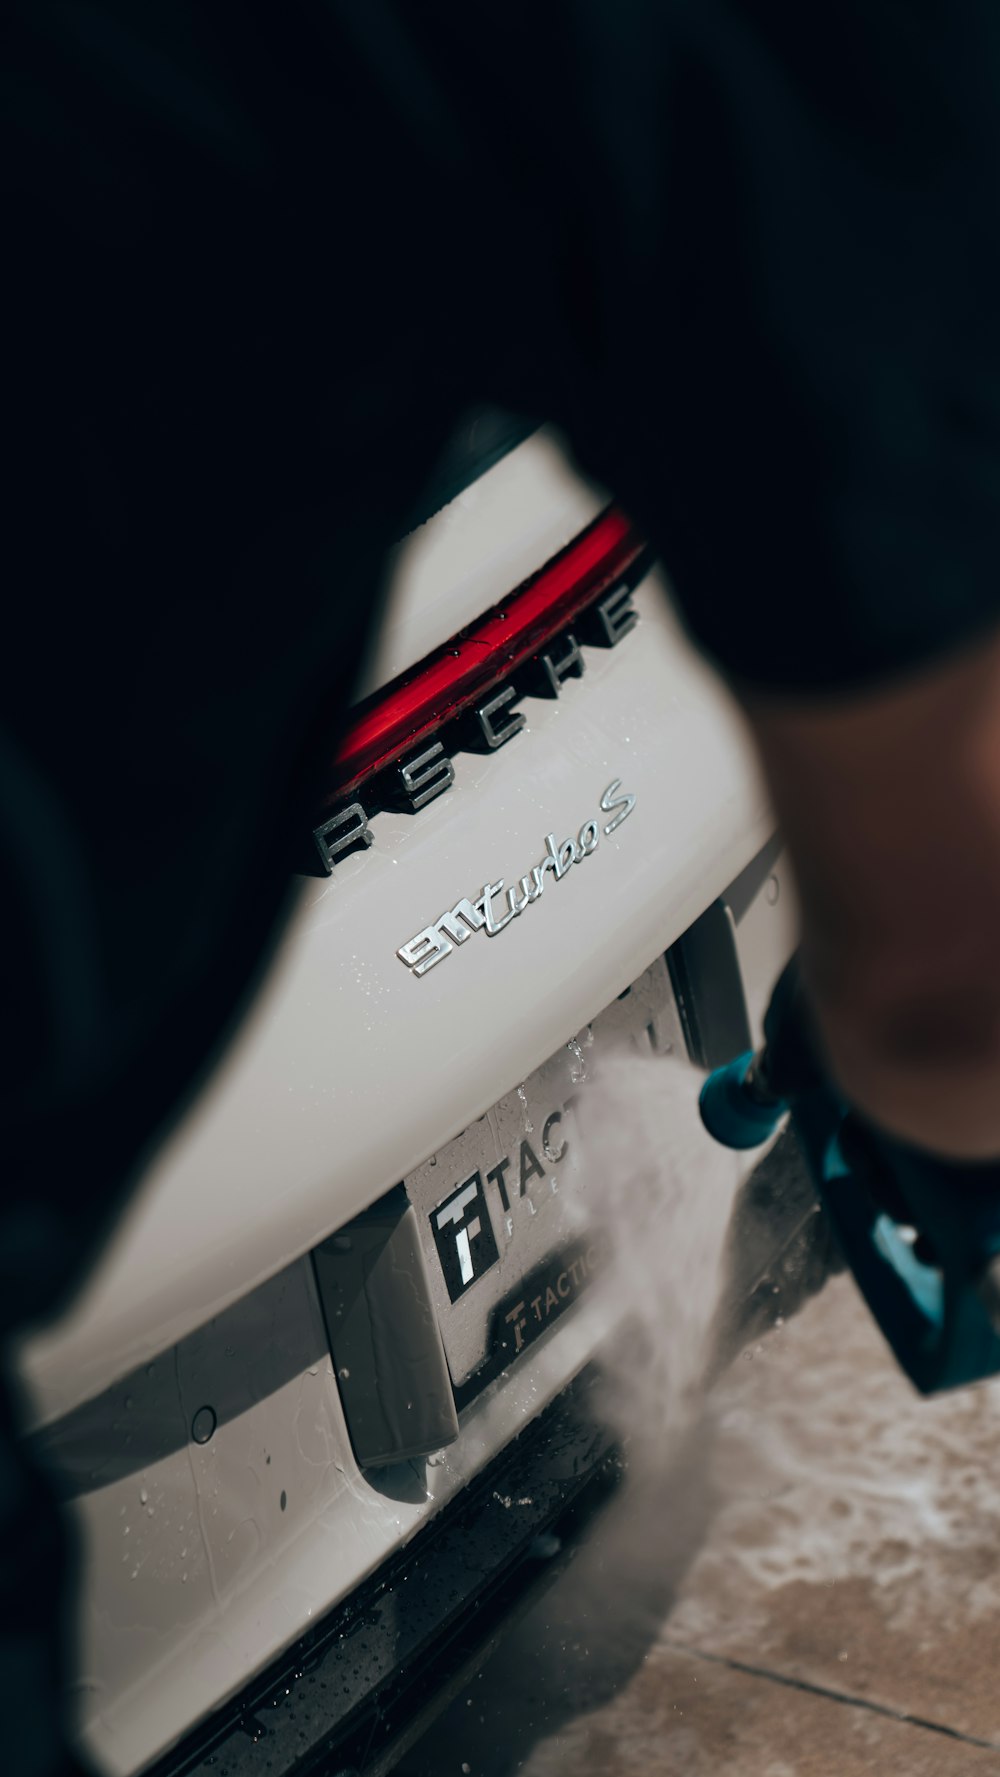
[(921, 1235)]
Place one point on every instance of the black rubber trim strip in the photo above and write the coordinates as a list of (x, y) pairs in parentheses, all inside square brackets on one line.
[(705, 975), (385, 1339), (705, 971), (744, 888), (347, 1698)]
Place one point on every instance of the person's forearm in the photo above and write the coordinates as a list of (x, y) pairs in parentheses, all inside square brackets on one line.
[(890, 804)]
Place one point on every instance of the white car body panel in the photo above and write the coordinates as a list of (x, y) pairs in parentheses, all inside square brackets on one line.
[(359, 1070), (205, 1561)]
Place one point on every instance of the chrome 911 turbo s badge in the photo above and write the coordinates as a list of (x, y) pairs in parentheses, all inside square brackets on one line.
[(487, 914)]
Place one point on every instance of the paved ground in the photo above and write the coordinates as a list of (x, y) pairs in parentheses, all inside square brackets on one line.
[(815, 1593)]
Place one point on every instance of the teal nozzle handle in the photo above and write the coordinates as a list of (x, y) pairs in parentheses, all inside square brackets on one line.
[(921, 1235), (730, 1110)]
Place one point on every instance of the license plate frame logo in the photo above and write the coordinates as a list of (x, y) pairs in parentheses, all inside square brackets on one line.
[(541, 1299), (464, 1237)]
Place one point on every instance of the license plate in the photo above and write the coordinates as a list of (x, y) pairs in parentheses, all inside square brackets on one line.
[(540, 1299), (503, 1208)]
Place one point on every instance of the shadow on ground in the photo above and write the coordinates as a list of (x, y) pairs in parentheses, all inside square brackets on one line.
[(589, 1634)]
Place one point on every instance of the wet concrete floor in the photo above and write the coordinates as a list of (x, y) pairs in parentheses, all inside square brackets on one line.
[(813, 1591)]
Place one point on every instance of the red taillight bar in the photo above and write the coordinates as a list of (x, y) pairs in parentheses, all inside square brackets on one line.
[(449, 681)]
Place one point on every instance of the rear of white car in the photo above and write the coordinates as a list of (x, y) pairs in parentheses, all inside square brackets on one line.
[(347, 1319)]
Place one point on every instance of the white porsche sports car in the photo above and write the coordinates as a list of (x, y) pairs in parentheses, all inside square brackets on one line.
[(348, 1315)]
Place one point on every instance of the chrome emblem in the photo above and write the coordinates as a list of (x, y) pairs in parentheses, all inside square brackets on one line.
[(487, 914)]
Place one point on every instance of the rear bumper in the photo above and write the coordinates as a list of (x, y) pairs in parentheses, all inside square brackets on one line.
[(354, 1694)]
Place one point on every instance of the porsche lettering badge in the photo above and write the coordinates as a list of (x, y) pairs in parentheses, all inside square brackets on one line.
[(487, 914)]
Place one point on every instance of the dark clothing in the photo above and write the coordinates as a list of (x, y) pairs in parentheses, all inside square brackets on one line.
[(258, 261)]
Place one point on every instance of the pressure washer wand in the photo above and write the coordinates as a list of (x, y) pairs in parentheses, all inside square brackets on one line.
[(921, 1235)]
